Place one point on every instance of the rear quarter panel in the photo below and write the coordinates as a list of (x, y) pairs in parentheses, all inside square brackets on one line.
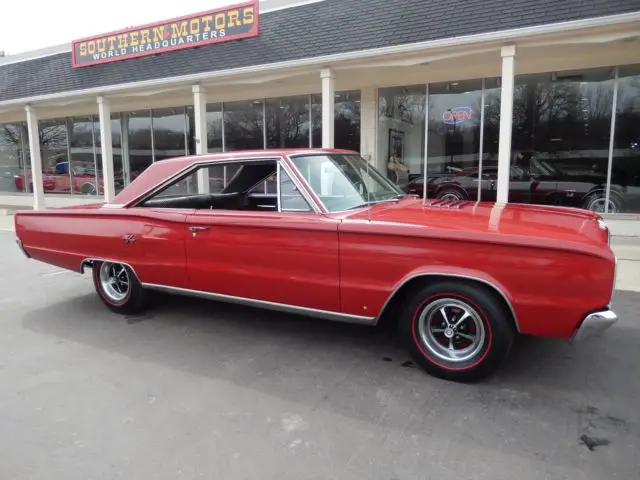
[(66, 237), (550, 290)]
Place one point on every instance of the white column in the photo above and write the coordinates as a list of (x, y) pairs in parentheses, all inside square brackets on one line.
[(36, 159), (106, 147), (369, 124), (328, 106), (506, 121), (200, 115)]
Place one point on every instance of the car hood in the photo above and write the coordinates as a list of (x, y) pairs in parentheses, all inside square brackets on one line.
[(532, 225)]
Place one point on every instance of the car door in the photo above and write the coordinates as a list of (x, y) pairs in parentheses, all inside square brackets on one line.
[(287, 254), (151, 240)]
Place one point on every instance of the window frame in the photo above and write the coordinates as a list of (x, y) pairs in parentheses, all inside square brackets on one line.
[(281, 165)]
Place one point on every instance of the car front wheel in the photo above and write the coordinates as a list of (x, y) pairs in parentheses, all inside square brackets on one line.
[(118, 287), (456, 330)]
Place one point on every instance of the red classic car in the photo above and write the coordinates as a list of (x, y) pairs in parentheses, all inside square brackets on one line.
[(336, 240)]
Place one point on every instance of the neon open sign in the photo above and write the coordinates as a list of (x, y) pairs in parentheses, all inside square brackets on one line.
[(457, 115)]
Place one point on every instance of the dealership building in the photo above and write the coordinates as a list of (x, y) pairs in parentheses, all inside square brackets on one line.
[(528, 101)]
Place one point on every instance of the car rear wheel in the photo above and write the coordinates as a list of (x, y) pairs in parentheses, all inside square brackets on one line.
[(88, 189), (450, 194), (456, 330), (118, 287), (597, 202)]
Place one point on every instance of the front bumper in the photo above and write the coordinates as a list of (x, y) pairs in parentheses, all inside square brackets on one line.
[(595, 323)]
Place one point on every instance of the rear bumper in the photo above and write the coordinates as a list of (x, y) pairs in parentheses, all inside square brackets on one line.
[(21, 247), (595, 323)]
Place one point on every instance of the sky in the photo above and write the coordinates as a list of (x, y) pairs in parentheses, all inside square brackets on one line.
[(33, 24)]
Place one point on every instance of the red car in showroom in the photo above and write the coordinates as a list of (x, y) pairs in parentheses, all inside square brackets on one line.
[(336, 240), (82, 180)]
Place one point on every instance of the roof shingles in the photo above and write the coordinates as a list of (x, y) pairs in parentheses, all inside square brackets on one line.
[(324, 28)]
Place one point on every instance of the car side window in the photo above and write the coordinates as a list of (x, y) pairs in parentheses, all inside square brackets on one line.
[(251, 185), (291, 200)]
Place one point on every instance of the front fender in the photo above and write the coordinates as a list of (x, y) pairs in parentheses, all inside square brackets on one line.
[(457, 273)]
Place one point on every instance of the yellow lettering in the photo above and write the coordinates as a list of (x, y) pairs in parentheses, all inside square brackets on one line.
[(144, 36), (101, 44), (234, 18), (112, 42), (248, 17), (91, 48), (123, 40), (83, 49), (220, 21), (134, 38), (158, 33), (194, 26), (207, 22), (178, 30)]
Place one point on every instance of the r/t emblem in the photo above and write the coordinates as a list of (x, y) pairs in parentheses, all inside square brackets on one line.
[(129, 238)]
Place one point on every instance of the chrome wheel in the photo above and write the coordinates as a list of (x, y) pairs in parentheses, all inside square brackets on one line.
[(451, 329), (114, 280), (88, 189), (598, 205), (451, 196)]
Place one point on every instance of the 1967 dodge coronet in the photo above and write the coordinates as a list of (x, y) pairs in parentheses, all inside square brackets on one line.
[(322, 233)]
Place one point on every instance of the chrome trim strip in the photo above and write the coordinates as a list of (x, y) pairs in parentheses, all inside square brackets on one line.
[(279, 307), (278, 179), (615, 278), (594, 324), (454, 275)]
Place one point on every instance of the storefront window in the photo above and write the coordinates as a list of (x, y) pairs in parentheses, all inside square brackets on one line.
[(116, 145), (625, 172), (287, 122), (139, 138), (83, 166), (14, 161), (347, 118), (454, 139), (214, 127), (401, 131), (561, 134), (120, 167), (169, 126), (54, 150), (316, 121), (243, 125)]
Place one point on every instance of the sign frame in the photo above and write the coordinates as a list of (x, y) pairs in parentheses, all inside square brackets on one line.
[(253, 32)]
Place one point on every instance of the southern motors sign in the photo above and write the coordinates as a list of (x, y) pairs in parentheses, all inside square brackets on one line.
[(215, 26)]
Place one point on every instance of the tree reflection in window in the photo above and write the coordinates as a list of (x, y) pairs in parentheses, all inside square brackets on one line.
[(288, 122), (243, 125)]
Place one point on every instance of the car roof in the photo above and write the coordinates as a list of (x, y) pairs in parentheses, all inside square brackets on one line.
[(162, 170), (271, 152)]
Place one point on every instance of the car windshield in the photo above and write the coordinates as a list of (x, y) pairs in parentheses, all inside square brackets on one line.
[(345, 181)]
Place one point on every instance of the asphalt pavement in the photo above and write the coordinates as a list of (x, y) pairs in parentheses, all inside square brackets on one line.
[(198, 389)]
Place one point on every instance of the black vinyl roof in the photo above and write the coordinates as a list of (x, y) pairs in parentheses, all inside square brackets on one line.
[(316, 29)]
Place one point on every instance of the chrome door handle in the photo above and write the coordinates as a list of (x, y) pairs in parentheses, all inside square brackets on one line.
[(195, 229)]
